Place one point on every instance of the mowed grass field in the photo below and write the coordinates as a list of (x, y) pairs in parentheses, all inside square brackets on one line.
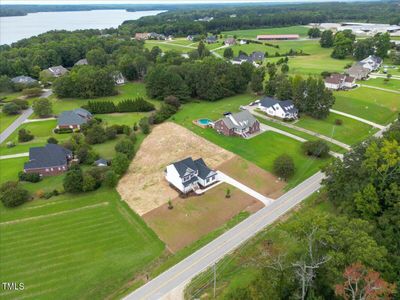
[(261, 150), (392, 84), (374, 105), (83, 247), (252, 33), (350, 132)]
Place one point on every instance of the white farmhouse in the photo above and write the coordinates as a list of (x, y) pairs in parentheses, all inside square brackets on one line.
[(188, 175), (281, 109)]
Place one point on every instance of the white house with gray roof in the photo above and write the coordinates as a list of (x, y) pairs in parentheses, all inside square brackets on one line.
[(189, 175), (275, 108), (73, 119)]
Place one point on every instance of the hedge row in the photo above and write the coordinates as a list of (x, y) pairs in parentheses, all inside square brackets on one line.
[(128, 105)]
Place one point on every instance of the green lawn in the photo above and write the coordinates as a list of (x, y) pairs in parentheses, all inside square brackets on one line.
[(41, 130), (392, 84), (10, 168), (252, 33), (6, 120), (81, 247), (350, 132), (168, 46), (122, 118), (371, 104), (130, 90), (261, 150), (317, 61)]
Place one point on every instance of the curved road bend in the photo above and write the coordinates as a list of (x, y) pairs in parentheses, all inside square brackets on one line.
[(226, 243)]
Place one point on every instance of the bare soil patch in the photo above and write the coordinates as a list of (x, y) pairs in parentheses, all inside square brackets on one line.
[(253, 176), (193, 217), (144, 187)]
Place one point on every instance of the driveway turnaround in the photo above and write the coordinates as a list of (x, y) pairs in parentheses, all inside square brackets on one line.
[(10, 129), (207, 256)]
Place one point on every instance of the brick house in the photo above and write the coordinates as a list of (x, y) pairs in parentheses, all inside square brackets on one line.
[(239, 124), (49, 160), (73, 118)]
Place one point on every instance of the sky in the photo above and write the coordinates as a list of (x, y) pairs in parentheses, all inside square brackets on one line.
[(144, 1)]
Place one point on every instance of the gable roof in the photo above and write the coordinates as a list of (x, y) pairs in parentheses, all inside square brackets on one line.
[(77, 116), (81, 62), (51, 155), (257, 55), (375, 59), (240, 120), (188, 165), (57, 70), (286, 105), (23, 80)]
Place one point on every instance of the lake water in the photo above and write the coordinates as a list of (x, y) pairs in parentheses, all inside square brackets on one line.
[(13, 29)]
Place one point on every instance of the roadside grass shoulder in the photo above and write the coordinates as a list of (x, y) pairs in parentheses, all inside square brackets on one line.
[(301, 134), (350, 132), (371, 104), (94, 237), (237, 269), (6, 120)]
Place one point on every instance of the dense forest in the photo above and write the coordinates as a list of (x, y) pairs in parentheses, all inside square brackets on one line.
[(231, 18)]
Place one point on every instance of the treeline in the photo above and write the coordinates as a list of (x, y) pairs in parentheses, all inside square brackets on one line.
[(30, 56), (209, 79), (128, 105), (182, 23), (85, 82), (344, 44)]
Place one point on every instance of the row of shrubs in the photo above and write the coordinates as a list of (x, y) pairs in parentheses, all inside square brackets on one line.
[(15, 106), (128, 105)]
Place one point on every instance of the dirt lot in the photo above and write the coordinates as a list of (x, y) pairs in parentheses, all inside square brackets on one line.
[(253, 176), (193, 217), (144, 187)]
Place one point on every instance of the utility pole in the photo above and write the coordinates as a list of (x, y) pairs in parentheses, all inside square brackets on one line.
[(215, 278)]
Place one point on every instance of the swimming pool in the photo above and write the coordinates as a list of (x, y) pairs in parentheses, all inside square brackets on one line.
[(204, 122)]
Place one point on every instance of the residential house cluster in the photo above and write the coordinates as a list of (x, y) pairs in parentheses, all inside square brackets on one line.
[(339, 82), (361, 69), (152, 36), (189, 175)]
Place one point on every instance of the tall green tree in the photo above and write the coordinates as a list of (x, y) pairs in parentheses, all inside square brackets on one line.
[(326, 40)]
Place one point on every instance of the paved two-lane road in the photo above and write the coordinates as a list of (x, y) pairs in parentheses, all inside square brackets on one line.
[(226, 243), (10, 129)]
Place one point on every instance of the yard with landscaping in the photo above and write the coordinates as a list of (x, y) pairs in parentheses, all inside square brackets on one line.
[(48, 244), (371, 104)]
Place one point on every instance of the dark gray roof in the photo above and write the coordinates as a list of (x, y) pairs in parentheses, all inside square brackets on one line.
[(188, 165), (185, 166), (77, 116), (51, 155), (287, 105), (211, 38), (23, 80), (204, 171), (190, 181), (57, 70), (239, 120), (257, 55)]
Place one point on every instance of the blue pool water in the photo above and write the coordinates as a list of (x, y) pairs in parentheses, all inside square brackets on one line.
[(204, 121)]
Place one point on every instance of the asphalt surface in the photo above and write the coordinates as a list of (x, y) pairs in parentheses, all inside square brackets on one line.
[(226, 243), (10, 129)]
